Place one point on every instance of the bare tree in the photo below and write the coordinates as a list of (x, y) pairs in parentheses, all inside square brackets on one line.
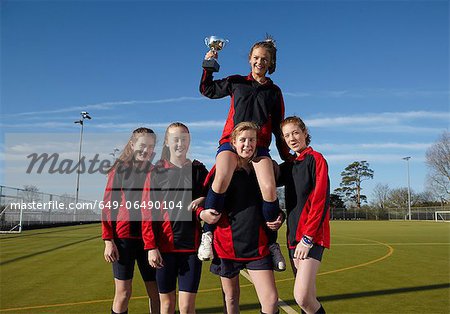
[(380, 195), (438, 161), (399, 198), (67, 199), (30, 193)]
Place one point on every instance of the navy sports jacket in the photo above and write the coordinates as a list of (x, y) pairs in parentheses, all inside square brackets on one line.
[(165, 225), (251, 102)]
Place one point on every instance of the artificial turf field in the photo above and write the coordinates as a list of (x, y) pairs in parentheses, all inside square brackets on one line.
[(372, 267)]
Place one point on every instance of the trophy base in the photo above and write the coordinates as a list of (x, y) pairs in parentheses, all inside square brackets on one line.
[(211, 65)]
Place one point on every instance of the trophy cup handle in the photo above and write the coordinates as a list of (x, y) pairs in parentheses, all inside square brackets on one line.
[(207, 41)]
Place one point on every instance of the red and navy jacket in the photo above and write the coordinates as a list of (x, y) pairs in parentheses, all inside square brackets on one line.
[(169, 225), (240, 233), (250, 101), (307, 189), (121, 215)]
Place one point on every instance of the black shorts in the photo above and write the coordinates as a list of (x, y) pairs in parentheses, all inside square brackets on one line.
[(230, 268), (315, 252), (131, 250), (184, 266)]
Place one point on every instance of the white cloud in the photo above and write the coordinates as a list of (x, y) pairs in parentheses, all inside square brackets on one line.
[(384, 122), (382, 158), (108, 105), (372, 146), (369, 93), (121, 127)]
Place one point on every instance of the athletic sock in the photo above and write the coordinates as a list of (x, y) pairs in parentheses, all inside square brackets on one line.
[(270, 210), (215, 201), (321, 310), (208, 227), (112, 312)]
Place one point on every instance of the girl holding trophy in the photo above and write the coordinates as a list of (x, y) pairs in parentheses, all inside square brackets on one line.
[(254, 98)]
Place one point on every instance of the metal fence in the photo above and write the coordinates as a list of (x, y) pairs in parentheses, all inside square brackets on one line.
[(37, 208), (369, 213)]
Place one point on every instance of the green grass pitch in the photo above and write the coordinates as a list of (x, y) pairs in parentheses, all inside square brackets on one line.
[(372, 267)]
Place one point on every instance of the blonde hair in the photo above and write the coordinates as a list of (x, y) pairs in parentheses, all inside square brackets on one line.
[(127, 154), (241, 127), (165, 153)]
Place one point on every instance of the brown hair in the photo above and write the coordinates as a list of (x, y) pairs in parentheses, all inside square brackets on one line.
[(127, 154), (269, 45), (165, 153), (296, 120), (241, 127)]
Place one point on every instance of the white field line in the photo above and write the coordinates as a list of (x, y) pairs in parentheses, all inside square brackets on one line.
[(283, 305)]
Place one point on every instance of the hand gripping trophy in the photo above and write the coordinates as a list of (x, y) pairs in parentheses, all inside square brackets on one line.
[(215, 44)]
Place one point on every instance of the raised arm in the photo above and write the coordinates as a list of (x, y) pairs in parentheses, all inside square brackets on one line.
[(214, 88)]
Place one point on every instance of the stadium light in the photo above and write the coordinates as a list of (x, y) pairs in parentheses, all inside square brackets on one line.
[(84, 115), (409, 186)]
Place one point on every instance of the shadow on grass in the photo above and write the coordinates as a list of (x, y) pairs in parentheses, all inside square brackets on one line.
[(383, 292), (46, 251), (219, 309), (49, 230), (291, 302), (375, 293)]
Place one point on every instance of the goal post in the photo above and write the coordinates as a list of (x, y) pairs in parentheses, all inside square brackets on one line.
[(11, 218), (442, 215)]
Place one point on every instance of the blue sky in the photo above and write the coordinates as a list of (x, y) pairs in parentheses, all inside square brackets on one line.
[(370, 78)]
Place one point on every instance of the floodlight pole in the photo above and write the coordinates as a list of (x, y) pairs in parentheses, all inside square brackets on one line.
[(84, 115), (409, 186)]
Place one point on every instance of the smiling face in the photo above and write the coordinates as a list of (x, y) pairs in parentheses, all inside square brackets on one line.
[(245, 144), (177, 141), (294, 136), (260, 60), (143, 148)]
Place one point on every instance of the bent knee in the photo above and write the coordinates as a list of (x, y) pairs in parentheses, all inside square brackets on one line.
[(268, 190), (232, 298), (304, 300), (186, 308), (123, 294), (270, 301), (223, 177), (167, 307)]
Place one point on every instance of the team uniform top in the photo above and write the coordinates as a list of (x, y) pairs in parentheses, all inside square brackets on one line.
[(307, 189), (169, 226), (240, 234), (250, 101), (121, 216)]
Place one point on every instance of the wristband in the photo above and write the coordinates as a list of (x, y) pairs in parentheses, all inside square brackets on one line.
[(306, 242)]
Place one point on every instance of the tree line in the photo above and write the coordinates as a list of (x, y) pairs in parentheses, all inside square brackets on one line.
[(349, 194)]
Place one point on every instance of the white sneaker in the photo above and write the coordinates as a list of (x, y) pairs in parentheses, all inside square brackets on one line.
[(205, 251), (279, 263)]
